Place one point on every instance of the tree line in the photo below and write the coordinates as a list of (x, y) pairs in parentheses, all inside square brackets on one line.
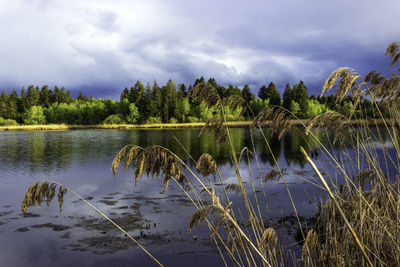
[(152, 103)]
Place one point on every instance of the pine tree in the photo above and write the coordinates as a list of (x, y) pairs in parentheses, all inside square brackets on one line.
[(44, 97), (182, 107), (300, 95), (158, 99), (3, 105), (32, 97), (140, 100), (246, 93), (63, 96), (233, 90), (169, 101), (132, 95), (124, 94), (148, 103), (287, 97), (182, 90), (263, 92), (82, 97), (69, 97), (56, 95), (273, 95), (197, 81), (13, 105)]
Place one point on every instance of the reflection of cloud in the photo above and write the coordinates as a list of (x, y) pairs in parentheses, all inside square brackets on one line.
[(88, 189), (109, 45)]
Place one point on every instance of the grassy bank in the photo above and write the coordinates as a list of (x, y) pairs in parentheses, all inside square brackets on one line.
[(65, 127)]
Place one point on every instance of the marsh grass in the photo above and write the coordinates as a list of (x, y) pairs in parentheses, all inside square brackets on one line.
[(64, 127), (358, 224)]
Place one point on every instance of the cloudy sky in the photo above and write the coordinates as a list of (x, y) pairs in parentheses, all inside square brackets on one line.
[(102, 46)]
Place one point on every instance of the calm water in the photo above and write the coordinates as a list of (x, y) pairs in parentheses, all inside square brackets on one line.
[(82, 161)]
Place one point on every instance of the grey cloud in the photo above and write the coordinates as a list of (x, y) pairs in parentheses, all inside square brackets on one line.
[(100, 48)]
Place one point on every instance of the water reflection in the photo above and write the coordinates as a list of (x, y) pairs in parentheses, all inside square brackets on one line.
[(46, 151), (82, 160)]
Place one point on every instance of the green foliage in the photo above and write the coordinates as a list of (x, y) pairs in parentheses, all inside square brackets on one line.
[(347, 108), (315, 108), (32, 96), (192, 119), (287, 97), (273, 95), (246, 94), (173, 120), (114, 119), (133, 114), (82, 97), (233, 90), (153, 120), (166, 102), (270, 92), (263, 92), (8, 122), (233, 115), (258, 104), (183, 107), (205, 113), (77, 112), (44, 100), (300, 95), (34, 116), (295, 108)]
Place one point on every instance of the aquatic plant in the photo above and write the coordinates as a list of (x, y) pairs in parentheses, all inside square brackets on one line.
[(358, 223)]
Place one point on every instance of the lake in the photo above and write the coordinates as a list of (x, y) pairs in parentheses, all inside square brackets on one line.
[(81, 160)]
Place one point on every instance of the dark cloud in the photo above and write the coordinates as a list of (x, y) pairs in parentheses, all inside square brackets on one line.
[(101, 47)]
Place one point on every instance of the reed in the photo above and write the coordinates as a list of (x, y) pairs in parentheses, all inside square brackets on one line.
[(358, 224)]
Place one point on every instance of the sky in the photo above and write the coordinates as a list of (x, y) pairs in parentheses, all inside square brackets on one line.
[(100, 47)]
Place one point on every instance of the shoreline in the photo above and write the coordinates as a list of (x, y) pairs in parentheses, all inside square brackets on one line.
[(66, 127)]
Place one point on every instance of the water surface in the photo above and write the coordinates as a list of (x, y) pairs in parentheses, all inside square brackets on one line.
[(82, 159)]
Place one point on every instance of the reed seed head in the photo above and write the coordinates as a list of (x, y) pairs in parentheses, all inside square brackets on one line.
[(198, 217), (152, 160), (233, 187), (278, 118), (269, 238), (271, 175), (393, 50), (41, 191), (311, 243), (206, 165), (207, 93)]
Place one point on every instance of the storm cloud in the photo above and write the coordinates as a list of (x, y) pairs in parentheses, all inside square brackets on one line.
[(101, 46)]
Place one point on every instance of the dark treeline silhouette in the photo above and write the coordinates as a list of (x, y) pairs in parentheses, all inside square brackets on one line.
[(152, 103)]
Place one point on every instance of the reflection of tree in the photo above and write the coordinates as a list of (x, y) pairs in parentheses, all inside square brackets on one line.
[(37, 145), (275, 148), (9, 149), (292, 142), (47, 151)]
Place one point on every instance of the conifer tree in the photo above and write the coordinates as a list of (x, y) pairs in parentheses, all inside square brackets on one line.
[(246, 94), (124, 94), (32, 97), (158, 99), (300, 95), (44, 97), (263, 92), (82, 97), (287, 97)]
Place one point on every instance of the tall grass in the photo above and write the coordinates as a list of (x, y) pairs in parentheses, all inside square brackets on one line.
[(358, 224)]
